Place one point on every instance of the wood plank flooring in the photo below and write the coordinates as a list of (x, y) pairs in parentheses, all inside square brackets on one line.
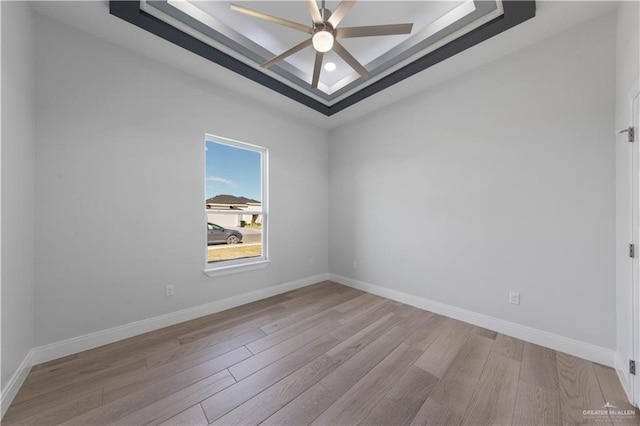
[(324, 355)]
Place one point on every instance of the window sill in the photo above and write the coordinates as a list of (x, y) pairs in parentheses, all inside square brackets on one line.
[(232, 269)]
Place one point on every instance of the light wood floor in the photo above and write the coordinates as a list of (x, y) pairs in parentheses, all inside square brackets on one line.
[(324, 354)]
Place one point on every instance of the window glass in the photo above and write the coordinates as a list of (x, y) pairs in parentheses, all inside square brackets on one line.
[(235, 202)]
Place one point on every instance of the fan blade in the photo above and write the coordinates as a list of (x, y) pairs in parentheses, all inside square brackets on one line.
[(289, 52), (270, 18), (340, 12), (314, 11), (353, 63), (317, 66), (374, 30)]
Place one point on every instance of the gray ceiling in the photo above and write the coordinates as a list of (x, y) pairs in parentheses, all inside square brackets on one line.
[(243, 43)]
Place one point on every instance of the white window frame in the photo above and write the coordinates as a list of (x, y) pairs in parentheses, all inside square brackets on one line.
[(225, 267)]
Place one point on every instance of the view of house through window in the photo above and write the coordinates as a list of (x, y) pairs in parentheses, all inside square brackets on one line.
[(235, 201)]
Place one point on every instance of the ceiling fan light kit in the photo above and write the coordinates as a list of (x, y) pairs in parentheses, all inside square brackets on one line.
[(322, 40)]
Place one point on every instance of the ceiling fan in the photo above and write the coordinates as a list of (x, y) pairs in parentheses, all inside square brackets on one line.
[(325, 34)]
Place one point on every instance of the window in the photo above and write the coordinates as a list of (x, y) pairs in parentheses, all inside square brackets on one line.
[(235, 205)]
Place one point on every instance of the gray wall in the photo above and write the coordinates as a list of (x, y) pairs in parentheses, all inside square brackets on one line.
[(627, 75), (120, 135), (498, 180), (17, 188)]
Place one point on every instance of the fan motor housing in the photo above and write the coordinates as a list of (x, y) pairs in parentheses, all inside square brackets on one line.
[(325, 26)]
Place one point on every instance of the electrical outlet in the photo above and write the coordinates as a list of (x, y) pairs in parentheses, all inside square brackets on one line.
[(354, 264), (168, 290), (311, 262), (514, 298)]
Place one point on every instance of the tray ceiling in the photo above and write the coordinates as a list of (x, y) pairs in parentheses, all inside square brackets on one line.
[(243, 43)]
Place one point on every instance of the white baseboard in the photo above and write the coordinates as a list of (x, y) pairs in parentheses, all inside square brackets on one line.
[(11, 390), (621, 368), (93, 340), (553, 341)]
